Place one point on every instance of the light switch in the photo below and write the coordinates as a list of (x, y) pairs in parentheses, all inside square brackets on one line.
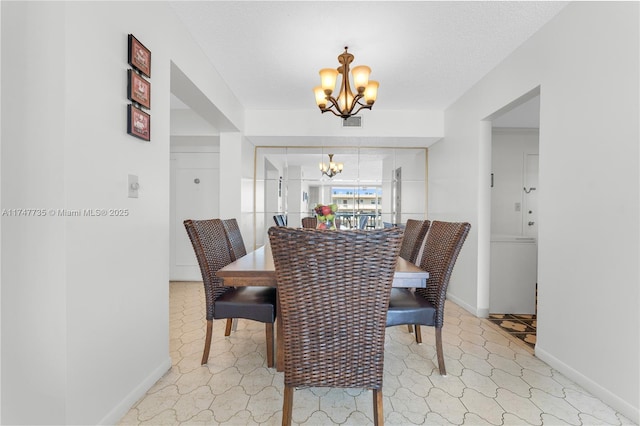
[(517, 207), (133, 186)]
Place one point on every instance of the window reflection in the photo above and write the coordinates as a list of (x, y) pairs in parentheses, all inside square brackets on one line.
[(359, 207)]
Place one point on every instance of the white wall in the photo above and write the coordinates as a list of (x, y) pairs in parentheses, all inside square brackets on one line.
[(294, 196), (34, 279), (246, 219), (586, 64), (413, 163), (85, 299), (230, 175), (0, 226), (298, 124)]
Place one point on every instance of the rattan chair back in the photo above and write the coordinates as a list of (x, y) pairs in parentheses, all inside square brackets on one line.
[(442, 246), (234, 238), (414, 233), (309, 222), (333, 290), (209, 242)]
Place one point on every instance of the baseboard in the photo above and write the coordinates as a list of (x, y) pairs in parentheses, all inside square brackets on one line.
[(480, 313), (185, 273), (614, 401), (123, 407)]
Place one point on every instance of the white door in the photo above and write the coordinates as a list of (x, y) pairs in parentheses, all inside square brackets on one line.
[(195, 195), (531, 190)]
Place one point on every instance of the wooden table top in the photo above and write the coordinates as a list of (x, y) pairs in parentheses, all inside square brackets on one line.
[(256, 268)]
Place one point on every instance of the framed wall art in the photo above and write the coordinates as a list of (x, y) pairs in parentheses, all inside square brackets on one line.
[(139, 56), (138, 123), (138, 89)]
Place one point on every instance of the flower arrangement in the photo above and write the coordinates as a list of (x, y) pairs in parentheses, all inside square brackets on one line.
[(326, 216)]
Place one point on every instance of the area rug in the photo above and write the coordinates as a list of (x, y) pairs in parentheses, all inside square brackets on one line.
[(522, 327)]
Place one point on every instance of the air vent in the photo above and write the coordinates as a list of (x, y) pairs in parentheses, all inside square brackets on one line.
[(354, 121)]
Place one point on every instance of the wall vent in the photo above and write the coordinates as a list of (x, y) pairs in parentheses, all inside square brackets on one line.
[(354, 121)]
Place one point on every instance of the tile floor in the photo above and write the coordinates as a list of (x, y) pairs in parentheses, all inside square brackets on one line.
[(493, 379)]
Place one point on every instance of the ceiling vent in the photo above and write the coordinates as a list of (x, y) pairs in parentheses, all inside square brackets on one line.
[(353, 121)]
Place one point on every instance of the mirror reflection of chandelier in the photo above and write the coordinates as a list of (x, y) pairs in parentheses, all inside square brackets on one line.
[(332, 169), (346, 102)]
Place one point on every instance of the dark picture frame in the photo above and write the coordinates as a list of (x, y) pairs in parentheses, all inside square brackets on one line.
[(138, 89), (138, 123), (139, 56)]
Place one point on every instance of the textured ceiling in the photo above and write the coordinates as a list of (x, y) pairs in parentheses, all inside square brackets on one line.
[(424, 54)]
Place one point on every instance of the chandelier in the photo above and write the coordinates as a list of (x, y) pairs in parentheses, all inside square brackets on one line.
[(346, 102), (332, 169)]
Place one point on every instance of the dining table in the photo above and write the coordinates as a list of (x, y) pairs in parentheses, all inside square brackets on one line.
[(256, 268)]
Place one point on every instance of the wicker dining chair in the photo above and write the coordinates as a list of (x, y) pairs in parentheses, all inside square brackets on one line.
[(234, 238), (333, 290), (425, 306), (237, 248), (213, 252), (309, 222), (414, 233)]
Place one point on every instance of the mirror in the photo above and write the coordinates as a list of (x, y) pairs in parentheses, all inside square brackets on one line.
[(376, 187)]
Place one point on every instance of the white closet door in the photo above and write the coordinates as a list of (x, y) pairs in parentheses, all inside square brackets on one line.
[(195, 195)]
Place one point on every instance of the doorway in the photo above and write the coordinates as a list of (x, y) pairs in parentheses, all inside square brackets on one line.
[(194, 171), (514, 223)]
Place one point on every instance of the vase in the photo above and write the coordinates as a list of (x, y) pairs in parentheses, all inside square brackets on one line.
[(327, 224)]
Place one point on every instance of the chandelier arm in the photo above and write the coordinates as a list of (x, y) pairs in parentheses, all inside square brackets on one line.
[(355, 102), (331, 111), (361, 107), (334, 103)]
